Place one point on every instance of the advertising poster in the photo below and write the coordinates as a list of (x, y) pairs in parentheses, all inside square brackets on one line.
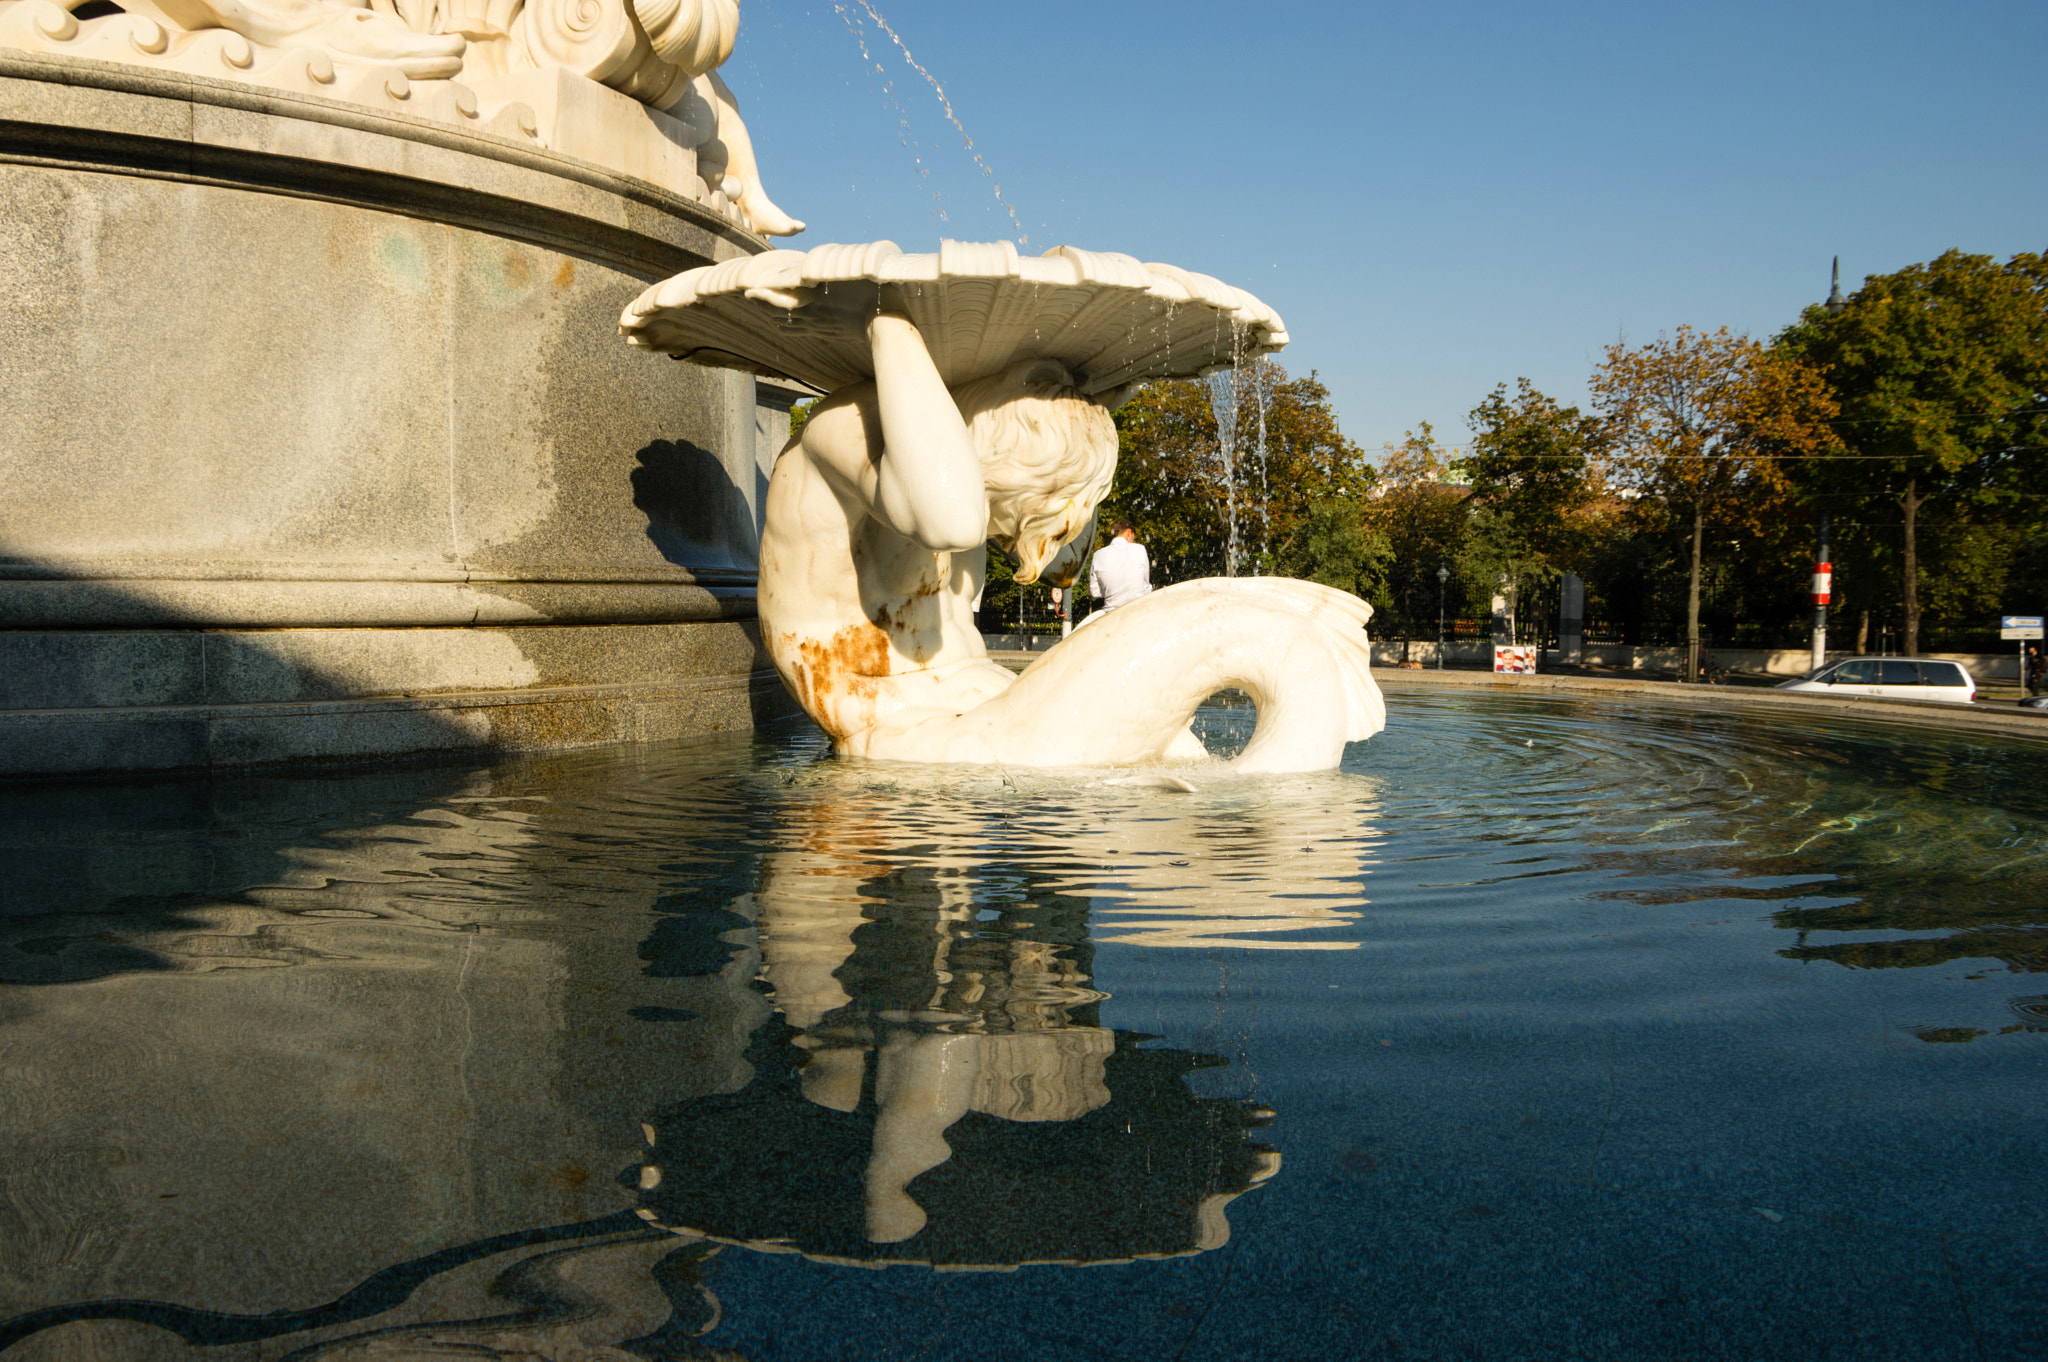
[(1516, 661)]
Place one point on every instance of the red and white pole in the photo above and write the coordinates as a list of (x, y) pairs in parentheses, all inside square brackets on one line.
[(1823, 592)]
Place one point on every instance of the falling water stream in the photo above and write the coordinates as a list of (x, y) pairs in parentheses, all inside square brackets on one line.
[(1248, 377), (1262, 394), (1223, 401), (889, 92)]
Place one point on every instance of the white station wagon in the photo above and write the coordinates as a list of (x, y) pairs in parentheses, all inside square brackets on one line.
[(1890, 678)]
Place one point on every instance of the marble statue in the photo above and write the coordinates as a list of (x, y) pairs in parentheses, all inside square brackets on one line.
[(968, 401), (630, 84)]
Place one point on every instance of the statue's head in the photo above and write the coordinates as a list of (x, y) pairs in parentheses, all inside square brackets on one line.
[(1048, 453)]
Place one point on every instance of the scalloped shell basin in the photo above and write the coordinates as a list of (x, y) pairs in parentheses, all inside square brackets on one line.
[(802, 315)]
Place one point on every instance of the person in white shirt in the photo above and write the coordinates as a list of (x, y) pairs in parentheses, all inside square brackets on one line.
[(1121, 571)]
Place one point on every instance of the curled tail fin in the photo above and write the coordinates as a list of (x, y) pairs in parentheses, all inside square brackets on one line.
[(1331, 623), (1122, 690)]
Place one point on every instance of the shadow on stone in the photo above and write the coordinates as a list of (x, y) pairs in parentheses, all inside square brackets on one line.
[(693, 508), (106, 676)]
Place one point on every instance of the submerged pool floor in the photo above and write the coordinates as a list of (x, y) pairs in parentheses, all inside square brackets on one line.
[(1549, 1028)]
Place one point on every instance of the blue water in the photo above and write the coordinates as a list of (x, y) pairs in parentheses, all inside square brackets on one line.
[(1545, 1028)]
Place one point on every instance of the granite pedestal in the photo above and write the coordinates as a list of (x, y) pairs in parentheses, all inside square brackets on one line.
[(317, 439)]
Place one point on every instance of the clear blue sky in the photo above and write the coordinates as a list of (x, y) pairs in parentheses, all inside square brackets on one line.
[(1437, 197)]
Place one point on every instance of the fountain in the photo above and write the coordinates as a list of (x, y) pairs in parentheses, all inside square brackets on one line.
[(1262, 395), (1546, 1024), (369, 506), (967, 403)]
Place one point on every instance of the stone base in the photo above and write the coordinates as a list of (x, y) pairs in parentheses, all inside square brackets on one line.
[(166, 700), (318, 440)]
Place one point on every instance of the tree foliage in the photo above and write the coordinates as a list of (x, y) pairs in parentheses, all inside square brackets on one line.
[(1170, 480), (1700, 424), (1688, 487), (1535, 472), (1167, 483), (1941, 370), (1534, 467), (1337, 544), (1298, 486), (1704, 422), (1424, 520)]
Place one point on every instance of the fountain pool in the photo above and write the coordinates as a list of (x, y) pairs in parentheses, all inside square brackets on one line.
[(1545, 1027)]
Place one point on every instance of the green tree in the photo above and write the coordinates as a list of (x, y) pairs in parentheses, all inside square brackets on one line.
[(1423, 519), (1333, 543), (1309, 463), (1701, 425), (1167, 483), (1534, 475), (1534, 469), (1941, 373), (1291, 504), (1170, 484)]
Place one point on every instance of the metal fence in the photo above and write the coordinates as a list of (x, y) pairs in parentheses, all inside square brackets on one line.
[(1029, 620), (1883, 636), (1029, 617), (1671, 633)]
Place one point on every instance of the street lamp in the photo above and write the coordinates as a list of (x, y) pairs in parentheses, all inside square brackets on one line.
[(1443, 574)]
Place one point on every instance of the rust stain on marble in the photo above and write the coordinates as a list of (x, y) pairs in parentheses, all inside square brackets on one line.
[(838, 679)]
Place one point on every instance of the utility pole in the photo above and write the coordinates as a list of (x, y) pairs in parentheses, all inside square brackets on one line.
[(1443, 574), (1823, 570), (1823, 589)]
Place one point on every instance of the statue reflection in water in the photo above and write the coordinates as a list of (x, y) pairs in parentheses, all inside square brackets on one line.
[(895, 1057), (936, 1087)]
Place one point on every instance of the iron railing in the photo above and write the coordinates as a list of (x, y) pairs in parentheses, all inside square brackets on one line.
[(1029, 614)]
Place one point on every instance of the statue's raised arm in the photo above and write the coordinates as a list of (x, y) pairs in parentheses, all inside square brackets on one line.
[(927, 485)]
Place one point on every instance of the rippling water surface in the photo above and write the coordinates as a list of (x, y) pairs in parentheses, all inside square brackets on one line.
[(1545, 1028)]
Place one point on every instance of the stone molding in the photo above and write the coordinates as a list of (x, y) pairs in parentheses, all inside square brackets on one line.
[(628, 84), (132, 595), (75, 113), (147, 668), (81, 700), (248, 569), (153, 603), (71, 742)]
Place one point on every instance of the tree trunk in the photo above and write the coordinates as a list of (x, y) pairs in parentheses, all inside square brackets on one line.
[(1863, 632), (1909, 569), (1692, 599)]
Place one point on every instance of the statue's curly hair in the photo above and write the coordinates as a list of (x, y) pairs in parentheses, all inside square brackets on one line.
[(1048, 453)]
